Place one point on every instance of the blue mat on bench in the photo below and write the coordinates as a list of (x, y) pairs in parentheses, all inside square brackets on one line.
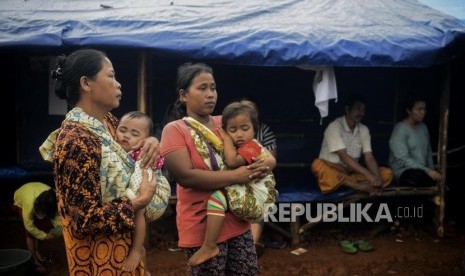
[(298, 185), (313, 196), (12, 173)]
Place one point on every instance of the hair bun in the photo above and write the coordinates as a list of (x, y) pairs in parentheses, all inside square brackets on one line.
[(57, 74)]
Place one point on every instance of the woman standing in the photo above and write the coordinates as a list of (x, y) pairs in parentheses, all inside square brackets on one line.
[(193, 155), (410, 155), (91, 170)]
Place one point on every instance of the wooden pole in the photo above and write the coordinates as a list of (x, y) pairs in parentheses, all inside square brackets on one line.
[(142, 82), (442, 147), (294, 230)]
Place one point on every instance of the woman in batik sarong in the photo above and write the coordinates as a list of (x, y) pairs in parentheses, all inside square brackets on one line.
[(91, 170), (196, 163)]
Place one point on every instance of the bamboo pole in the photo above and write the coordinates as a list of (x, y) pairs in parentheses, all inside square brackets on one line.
[(442, 147), (294, 230), (142, 82)]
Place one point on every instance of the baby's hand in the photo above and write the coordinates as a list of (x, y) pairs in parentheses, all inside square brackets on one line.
[(226, 138), (222, 132)]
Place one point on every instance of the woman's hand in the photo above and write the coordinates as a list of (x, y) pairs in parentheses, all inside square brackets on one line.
[(146, 191), (254, 171), (149, 151), (258, 169), (268, 161), (242, 175), (435, 175)]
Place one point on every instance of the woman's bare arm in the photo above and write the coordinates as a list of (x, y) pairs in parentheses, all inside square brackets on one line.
[(179, 165)]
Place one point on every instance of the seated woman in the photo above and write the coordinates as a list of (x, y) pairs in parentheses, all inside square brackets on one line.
[(410, 155)]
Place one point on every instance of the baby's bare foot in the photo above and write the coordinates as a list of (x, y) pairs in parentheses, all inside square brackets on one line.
[(133, 260), (41, 258)]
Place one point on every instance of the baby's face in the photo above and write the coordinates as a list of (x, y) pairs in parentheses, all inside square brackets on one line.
[(130, 131), (240, 129)]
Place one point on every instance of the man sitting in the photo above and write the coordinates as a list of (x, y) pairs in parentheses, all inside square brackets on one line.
[(345, 139)]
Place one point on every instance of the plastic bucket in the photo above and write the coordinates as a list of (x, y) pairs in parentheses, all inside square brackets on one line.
[(16, 262)]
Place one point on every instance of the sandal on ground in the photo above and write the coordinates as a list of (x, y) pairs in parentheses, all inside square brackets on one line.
[(364, 245), (259, 248), (348, 247)]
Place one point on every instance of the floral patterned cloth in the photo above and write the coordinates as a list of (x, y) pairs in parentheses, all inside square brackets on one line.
[(160, 199)]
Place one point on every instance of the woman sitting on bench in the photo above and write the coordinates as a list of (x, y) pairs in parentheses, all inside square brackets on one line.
[(410, 154)]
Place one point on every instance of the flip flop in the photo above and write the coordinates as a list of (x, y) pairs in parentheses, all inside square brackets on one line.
[(348, 247), (364, 245)]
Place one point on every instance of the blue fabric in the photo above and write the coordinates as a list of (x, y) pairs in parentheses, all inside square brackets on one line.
[(12, 173), (313, 196), (253, 32)]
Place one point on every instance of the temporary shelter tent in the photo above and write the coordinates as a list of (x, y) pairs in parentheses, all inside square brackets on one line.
[(258, 39), (270, 33)]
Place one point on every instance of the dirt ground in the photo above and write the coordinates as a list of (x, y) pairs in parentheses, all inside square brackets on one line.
[(409, 249)]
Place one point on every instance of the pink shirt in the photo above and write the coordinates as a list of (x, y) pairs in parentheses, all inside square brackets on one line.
[(192, 203)]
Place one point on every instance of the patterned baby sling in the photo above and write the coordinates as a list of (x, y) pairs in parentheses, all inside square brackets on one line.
[(247, 201), (116, 166), (160, 199)]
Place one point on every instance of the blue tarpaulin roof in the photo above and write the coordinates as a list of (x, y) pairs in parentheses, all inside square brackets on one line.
[(252, 32), (455, 8)]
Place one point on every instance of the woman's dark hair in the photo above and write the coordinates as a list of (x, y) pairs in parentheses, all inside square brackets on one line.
[(140, 115), (233, 109), (69, 70), (410, 102), (46, 204), (186, 73)]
